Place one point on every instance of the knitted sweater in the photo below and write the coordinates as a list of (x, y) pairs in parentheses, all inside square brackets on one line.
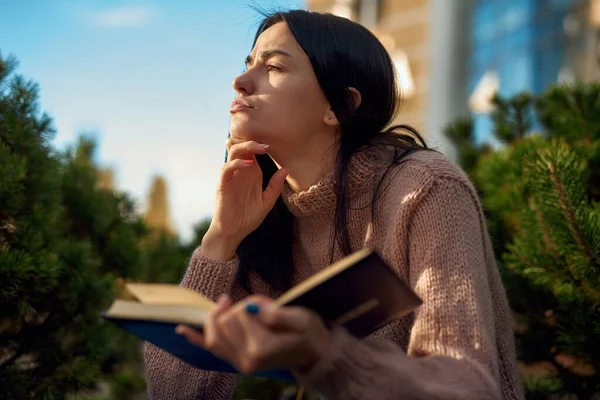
[(429, 226)]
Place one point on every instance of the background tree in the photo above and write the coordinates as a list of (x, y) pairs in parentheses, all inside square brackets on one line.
[(540, 192), (167, 256), (63, 243)]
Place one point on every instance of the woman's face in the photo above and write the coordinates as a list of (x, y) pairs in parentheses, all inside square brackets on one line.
[(279, 101)]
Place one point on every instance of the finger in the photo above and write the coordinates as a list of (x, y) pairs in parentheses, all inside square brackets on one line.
[(265, 348), (223, 303), (240, 308), (231, 141), (231, 320), (246, 150), (233, 333), (228, 144), (237, 139), (257, 341), (230, 167), (192, 335), (274, 189), (245, 311), (214, 340), (297, 319), (195, 336), (242, 333)]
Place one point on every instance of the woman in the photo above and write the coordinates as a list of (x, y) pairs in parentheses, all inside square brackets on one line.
[(310, 177)]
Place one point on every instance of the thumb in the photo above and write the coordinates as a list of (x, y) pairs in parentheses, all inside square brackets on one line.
[(274, 189)]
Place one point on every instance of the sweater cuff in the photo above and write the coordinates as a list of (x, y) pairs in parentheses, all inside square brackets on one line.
[(344, 371), (209, 276)]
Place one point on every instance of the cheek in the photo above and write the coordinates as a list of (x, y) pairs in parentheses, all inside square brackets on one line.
[(300, 104)]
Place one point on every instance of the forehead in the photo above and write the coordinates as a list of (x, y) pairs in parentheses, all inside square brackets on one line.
[(277, 36)]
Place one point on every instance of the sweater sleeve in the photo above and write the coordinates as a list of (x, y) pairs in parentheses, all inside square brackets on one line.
[(451, 353), (170, 378)]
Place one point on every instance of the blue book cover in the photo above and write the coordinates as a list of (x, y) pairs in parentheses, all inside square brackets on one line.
[(162, 334), (360, 293)]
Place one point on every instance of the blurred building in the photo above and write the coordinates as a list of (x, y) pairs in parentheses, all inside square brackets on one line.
[(424, 39), (453, 55), (403, 28), (528, 45), (106, 179), (157, 215)]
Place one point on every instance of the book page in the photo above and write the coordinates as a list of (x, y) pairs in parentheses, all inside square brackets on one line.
[(134, 310), (168, 294)]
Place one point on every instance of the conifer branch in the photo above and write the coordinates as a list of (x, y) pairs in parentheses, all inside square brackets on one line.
[(13, 358), (566, 207), (546, 232)]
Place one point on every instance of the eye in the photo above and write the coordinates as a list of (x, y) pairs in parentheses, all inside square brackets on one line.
[(272, 67)]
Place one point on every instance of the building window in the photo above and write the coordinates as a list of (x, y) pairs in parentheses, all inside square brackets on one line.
[(525, 43)]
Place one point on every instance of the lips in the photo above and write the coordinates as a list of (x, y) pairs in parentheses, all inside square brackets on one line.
[(239, 105)]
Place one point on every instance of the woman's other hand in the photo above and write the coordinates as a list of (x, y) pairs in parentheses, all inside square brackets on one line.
[(256, 335), (241, 204)]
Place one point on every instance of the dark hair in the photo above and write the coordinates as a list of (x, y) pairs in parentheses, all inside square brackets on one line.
[(343, 54)]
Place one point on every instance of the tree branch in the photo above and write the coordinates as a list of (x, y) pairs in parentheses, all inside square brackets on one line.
[(564, 203)]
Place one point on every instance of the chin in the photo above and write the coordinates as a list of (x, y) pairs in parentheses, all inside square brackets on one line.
[(246, 132)]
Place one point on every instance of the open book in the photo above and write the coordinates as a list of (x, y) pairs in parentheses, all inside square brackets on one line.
[(359, 292)]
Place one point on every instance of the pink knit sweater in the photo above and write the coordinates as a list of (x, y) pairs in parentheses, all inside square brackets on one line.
[(429, 226)]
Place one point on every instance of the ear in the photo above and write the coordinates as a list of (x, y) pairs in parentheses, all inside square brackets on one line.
[(356, 97), (330, 118)]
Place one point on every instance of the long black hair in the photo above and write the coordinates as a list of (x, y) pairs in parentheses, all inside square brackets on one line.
[(343, 54)]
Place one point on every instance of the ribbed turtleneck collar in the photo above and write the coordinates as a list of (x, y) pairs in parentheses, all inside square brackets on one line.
[(362, 170)]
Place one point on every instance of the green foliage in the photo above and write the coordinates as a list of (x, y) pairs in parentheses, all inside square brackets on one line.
[(125, 383), (63, 242), (512, 117), (537, 387), (65, 246), (166, 257), (460, 132), (540, 192)]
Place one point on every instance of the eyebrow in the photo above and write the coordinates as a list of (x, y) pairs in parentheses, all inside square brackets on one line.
[(268, 54)]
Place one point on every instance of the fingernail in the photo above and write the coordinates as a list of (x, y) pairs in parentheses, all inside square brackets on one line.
[(179, 329), (222, 298), (264, 146), (252, 309), (248, 162)]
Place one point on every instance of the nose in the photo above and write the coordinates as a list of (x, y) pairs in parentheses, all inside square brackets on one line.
[(243, 83)]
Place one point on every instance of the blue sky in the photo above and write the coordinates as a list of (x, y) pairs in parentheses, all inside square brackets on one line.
[(150, 79)]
